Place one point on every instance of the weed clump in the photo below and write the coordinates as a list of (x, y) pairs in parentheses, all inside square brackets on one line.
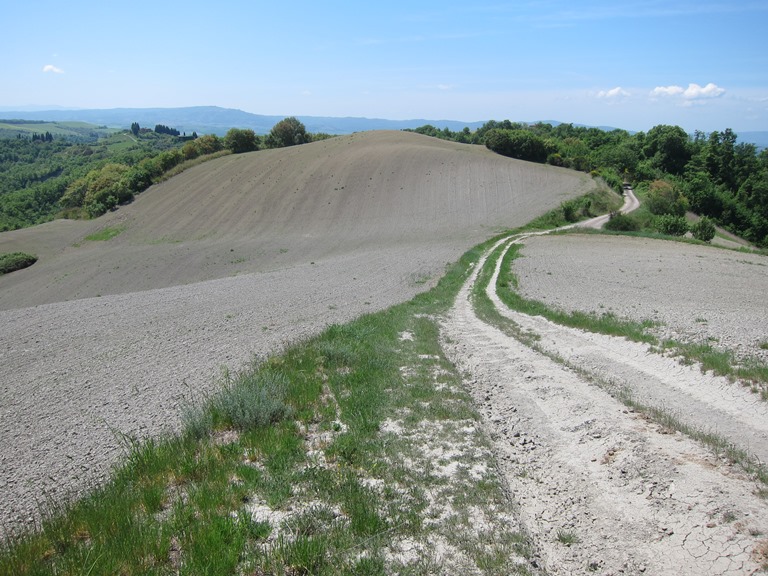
[(247, 401)]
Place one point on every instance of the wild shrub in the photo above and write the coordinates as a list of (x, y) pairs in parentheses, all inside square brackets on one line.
[(248, 400), (622, 223), (15, 261), (666, 198), (671, 225), (703, 230)]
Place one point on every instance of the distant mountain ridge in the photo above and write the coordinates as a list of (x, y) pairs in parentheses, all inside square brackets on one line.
[(217, 120)]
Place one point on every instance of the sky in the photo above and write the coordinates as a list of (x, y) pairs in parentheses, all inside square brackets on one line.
[(699, 64)]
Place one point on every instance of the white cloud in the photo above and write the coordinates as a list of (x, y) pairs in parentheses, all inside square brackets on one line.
[(667, 90), (711, 90), (52, 68), (617, 92), (693, 92), (446, 86)]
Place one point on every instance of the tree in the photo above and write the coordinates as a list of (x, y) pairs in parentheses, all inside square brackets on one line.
[(240, 141), (664, 198), (521, 144), (667, 147), (703, 230), (287, 132), (671, 225), (135, 128), (209, 143)]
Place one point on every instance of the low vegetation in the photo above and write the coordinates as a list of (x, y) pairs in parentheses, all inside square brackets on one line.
[(13, 261), (709, 174), (72, 174)]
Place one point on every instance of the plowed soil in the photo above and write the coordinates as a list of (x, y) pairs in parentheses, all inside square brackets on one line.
[(232, 258)]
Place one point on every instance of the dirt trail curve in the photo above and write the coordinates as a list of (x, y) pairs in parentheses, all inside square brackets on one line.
[(600, 488)]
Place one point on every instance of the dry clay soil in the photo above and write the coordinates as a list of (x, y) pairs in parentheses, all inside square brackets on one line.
[(601, 487), (232, 258), (245, 254)]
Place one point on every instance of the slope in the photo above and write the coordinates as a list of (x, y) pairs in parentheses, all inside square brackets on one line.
[(233, 258), (275, 208)]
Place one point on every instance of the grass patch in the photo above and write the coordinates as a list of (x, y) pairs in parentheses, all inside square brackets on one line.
[(12, 261), (105, 234), (599, 201), (751, 372)]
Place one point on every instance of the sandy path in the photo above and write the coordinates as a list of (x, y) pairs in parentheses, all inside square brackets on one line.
[(580, 465)]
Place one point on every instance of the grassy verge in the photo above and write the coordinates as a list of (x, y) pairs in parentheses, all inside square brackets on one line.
[(355, 452), (105, 234)]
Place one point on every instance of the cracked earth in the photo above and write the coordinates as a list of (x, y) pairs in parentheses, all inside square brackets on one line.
[(602, 488)]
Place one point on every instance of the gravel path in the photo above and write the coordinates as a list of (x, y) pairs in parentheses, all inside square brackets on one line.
[(600, 488)]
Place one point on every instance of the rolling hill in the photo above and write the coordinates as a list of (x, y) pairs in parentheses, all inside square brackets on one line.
[(276, 208)]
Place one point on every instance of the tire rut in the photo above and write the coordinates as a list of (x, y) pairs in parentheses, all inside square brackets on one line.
[(601, 488)]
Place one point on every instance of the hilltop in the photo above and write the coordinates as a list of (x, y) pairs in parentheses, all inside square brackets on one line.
[(276, 208)]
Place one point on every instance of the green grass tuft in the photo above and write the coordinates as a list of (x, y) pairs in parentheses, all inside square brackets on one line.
[(105, 234)]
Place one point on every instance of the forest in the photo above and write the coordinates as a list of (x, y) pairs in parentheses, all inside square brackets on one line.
[(711, 174), (46, 177)]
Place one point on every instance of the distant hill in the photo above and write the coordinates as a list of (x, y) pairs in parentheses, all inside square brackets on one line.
[(216, 120), (11, 128)]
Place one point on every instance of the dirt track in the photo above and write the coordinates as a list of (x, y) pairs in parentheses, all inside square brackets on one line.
[(231, 258), (632, 496)]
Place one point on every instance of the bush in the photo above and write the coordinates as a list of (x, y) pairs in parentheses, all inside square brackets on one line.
[(665, 198), (703, 230), (15, 261), (622, 223), (671, 225), (248, 400)]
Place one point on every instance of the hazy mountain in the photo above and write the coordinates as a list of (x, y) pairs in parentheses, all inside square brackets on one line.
[(216, 120)]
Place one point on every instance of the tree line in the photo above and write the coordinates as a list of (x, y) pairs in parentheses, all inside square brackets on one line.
[(711, 174), (45, 178)]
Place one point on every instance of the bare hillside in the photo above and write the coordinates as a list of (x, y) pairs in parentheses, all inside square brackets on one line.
[(276, 208), (234, 257)]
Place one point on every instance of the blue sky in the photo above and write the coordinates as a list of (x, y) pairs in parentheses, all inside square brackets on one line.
[(700, 64)]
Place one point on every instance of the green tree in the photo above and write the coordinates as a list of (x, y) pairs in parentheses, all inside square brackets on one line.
[(209, 143), (665, 198), (703, 230), (521, 144), (671, 225), (287, 132), (668, 149), (240, 141)]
